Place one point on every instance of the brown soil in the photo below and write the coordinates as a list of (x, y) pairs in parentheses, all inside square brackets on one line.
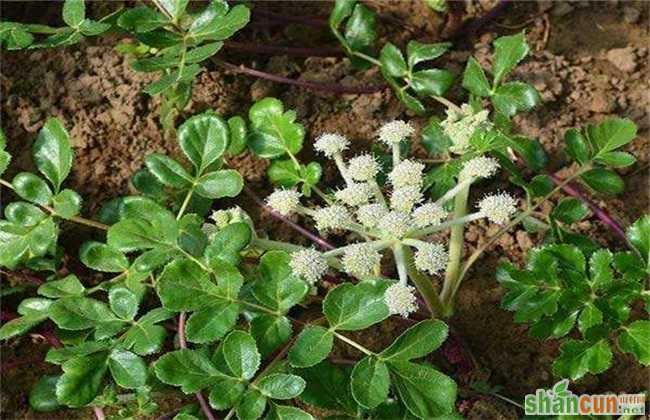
[(589, 63)]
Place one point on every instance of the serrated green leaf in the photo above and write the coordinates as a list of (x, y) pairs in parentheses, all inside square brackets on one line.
[(418, 52), (32, 188), (24, 214), (426, 392), (514, 97), (238, 133), (434, 82), (191, 370), (284, 173), (212, 322), (370, 382), (81, 380), (67, 204), (74, 12), (241, 355), (577, 358), (284, 412), (184, 286), (270, 332), (577, 146), (67, 286), (611, 134), (281, 386), (52, 152), (356, 307), (589, 317), (615, 159), (15, 36), (226, 393), (218, 26), (129, 370), (42, 397), (603, 181), (392, 61), (203, 138), (228, 243), (220, 184), (418, 341), (508, 52), (474, 79), (168, 171), (312, 346), (639, 235), (570, 210), (102, 257), (124, 303), (328, 386), (275, 131), (278, 288), (251, 406), (79, 313), (635, 339), (19, 326), (144, 337), (141, 19)]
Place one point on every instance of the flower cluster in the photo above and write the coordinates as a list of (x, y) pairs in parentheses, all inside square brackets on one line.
[(402, 217)]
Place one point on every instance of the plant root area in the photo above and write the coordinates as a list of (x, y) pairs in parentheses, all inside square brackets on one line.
[(589, 62)]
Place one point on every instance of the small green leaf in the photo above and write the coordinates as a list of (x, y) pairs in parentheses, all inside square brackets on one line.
[(281, 386), (370, 382), (212, 25), (639, 235), (241, 355), (392, 61), (611, 134), (328, 387), (124, 303), (212, 322), (43, 396), (433, 82), (275, 131), (312, 346), (284, 173), (74, 12), (190, 369), (278, 288), (514, 97), (270, 332), (184, 286), (603, 181), (508, 52), (578, 358), (220, 184), (141, 19), (67, 286), (20, 325), (129, 370), (285, 412), (570, 210), (635, 339), (79, 313), (426, 392), (360, 31), (228, 243), (251, 406), (32, 188), (418, 52), (226, 393), (474, 79), (238, 133), (168, 171), (81, 380), (589, 317), (203, 138), (52, 152), (67, 204), (615, 159), (577, 146), (418, 341), (24, 214), (174, 8), (15, 36), (144, 337), (356, 307), (102, 257)]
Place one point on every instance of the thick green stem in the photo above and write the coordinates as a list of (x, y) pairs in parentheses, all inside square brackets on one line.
[(452, 275), (423, 284)]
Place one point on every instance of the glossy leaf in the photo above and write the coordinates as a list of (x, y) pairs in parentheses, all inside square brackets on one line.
[(356, 307), (426, 392), (603, 181), (32, 188), (312, 346), (203, 138), (474, 79), (42, 397), (370, 382), (570, 210), (508, 52), (191, 370), (241, 355), (102, 257), (514, 97), (168, 171), (67, 204), (635, 339), (220, 184), (577, 358), (52, 152), (418, 341), (281, 386), (129, 370), (67, 286), (81, 380)]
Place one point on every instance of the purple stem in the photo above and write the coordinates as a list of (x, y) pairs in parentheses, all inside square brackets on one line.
[(281, 50), (325, 87), (312, 236), (99, 413), (602, 215), (183, 344)]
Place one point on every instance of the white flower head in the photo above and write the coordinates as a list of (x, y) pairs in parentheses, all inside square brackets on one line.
[(308, 264), (395, 224), (331, 144), (498, 208), (400, 299), (360, 260), (431, 258), (429, 214), (459, 126), (479, 167), (363, 168), (406, 173), (405, 198), (284, 202), (355, 194), (395, 131), (335, 216), (370, 214)]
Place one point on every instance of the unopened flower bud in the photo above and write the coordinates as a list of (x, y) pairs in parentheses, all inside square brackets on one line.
[(406, 173), (284, 202), (431, 258), (355, 194), (395, 131), (370, 214), (479, 167), (308, 264), (363, 168), (405, 198), (428, 214), (360, 260), (331, 144), (335, 216)]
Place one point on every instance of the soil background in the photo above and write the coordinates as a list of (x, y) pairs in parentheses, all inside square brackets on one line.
[(589, 61)]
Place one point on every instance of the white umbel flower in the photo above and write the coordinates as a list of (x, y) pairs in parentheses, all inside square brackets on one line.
[(369, 215), (308, 264), (355, 194), (331, 144), (459, 126), (284, 202), (428, 214), (498, 208), (406, 173), (360, 260), (405, 198), (395, 131), (335, 216), (479, 167), (395, 224), (363, 168), (400, 299), (221, 218), (431, 258)]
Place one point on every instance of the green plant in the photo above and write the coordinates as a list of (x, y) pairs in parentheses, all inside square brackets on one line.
[(561, 289)]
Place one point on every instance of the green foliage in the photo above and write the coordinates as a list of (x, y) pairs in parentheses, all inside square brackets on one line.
[(561, 290)]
